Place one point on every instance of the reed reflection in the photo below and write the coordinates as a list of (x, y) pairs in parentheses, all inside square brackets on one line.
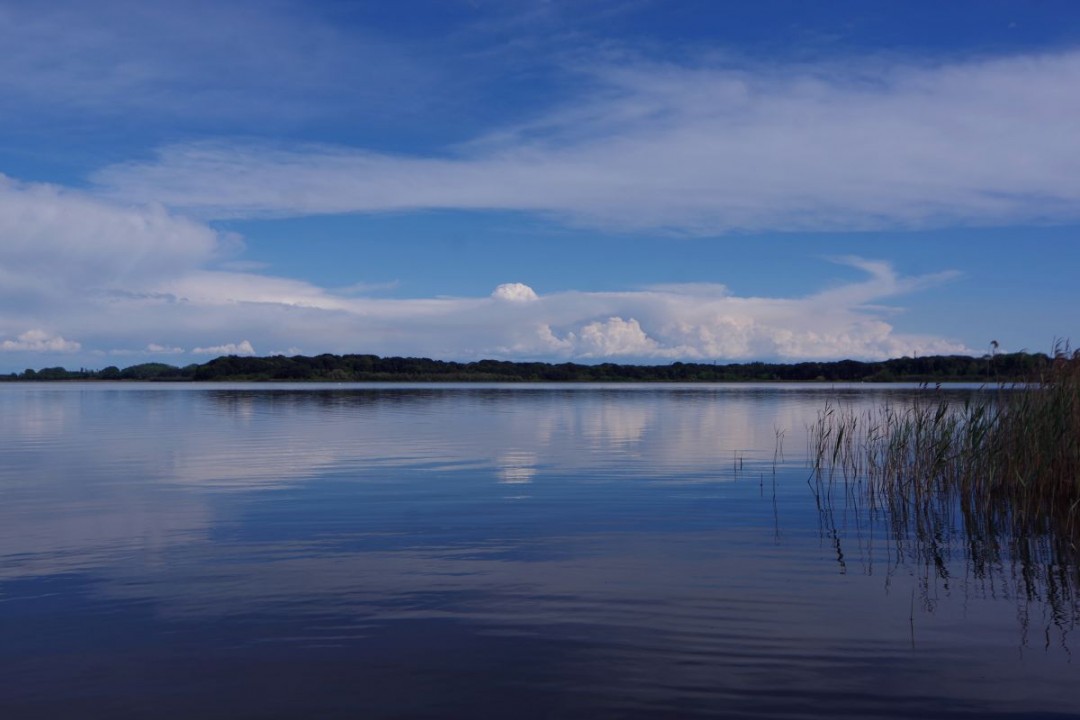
[(893, 492)]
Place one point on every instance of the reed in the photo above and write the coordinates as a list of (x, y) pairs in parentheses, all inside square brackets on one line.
[(1006, 455), (994, 476)]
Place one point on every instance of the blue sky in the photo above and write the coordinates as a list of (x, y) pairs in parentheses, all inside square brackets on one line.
[(633, 181)]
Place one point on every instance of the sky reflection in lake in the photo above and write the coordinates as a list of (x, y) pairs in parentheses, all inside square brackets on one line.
[(225, 551)]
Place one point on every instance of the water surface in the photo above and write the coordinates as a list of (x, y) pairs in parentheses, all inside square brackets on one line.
[(485, 551)]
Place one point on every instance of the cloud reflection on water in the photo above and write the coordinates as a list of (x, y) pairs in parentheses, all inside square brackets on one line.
[(642, 567)]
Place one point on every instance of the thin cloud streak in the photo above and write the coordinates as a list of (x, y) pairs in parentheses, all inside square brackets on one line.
[(241, 348), (209, 62), (699, 150)]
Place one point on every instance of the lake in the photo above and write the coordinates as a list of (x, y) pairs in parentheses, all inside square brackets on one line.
[(465, 551)]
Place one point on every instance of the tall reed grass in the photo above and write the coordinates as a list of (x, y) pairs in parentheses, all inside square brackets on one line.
[(1011, 454), (997, 470)]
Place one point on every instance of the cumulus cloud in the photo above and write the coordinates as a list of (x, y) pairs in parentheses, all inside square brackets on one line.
[(514, 292), (38, 340), (706, 149), (241, 348), (614, 337)]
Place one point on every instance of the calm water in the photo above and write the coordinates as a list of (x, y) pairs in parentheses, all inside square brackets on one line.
[(460, 551)]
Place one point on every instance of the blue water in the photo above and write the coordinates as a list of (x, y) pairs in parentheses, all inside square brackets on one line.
[(274, 551)]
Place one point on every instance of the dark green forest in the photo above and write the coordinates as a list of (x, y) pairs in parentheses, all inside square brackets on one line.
[(371, 368)]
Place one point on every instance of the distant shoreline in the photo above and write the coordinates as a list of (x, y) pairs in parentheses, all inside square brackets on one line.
[(1007, 367)]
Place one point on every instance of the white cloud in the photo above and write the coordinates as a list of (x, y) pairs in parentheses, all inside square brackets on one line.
[(242, 348), (615, 337), (118, 278), (706, 149), (514, 292), (692, 323), (155, 349), (38, 340), (55, 241)]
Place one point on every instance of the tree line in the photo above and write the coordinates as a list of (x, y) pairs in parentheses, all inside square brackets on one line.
[(1005, 367)]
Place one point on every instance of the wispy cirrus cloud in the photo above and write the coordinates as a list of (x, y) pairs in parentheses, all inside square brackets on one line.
[(203, 62), (865, 144)]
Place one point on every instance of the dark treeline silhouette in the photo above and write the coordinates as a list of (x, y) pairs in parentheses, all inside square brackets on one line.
[(371, 368)]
